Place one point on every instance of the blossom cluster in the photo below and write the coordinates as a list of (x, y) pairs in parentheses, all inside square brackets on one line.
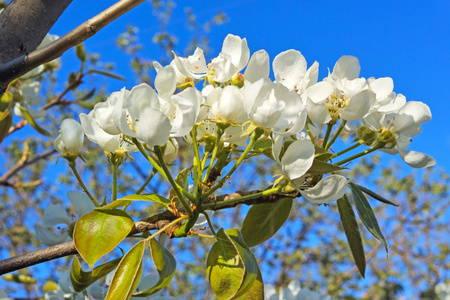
[(196, 100)]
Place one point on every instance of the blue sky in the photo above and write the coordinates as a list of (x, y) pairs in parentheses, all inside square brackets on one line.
[(406, 40)]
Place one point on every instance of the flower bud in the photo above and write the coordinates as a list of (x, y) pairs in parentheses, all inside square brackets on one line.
[(387, 138), (71, 139), (367, 135)]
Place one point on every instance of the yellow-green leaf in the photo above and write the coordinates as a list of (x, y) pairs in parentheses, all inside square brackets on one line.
[(256, 291), (115, 76), (128, 274), (366, 214), (263, 221), (320, 167), (29, 118), (352, 232), (99, 232), (81, 279), (165, 264), (231, 267), (5, 124), (137, 197)]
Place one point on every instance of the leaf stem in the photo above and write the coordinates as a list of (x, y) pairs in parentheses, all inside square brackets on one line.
[(211, 227), (167, 227)]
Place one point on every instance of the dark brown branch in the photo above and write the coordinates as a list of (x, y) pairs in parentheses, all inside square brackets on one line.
[(17, 67), (157, 221)]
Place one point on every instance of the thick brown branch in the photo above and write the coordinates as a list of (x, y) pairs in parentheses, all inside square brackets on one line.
[(157, 221), (21, 65)]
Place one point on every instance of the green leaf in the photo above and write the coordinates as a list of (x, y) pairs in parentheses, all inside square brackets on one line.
[(137, 197), (231, 267), (256, 291), (376, 196), (128, 274), (5, 124), (29, 118), (265, 146), (115, 76), (264, 220), (99, 232), (87, 96), (322, 154), (80, 52), (352, 232), (81, 279), (320, 167), (165, 264), (366, 214)]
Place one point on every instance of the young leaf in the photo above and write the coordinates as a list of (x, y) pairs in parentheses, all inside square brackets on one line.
[(264, 220), (29, 118), (320, 167), (231, 267), (81, 279), (5, 124), (366, 214), (107, 74), (99, 232), (256, 291), (165, 264), (127, 275), (352, 232), (375, 195), (127, 199), (322, 154)]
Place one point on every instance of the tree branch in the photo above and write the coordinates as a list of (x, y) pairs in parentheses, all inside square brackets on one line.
[(157, 222), (20, 65)]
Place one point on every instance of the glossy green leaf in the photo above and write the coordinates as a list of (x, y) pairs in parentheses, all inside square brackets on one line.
[(99, 232), (137, 197), (366, 214), (231, 267), (376, 196), (320, 167), (81, 279), (165, 264), (29, 118), (352, 232), (128, 274), (115, 76), (263, 221)]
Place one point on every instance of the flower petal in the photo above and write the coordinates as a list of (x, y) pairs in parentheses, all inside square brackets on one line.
[(289, 68), (81, 202), (153, 127), (346, 67), (417, 159), (298, 158), (258, 67), (328, 189)]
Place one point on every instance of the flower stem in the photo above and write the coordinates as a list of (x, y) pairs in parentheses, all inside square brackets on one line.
[(255, 136), (114, 186), (175, 186), (370, 150), (141, 189), (214, 154), (327, 135), (311, 136), (80, 181), (197, 164), (336, 135), (359, 143)]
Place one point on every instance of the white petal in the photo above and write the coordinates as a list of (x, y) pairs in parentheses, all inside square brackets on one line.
[(187, 110), (153, 127), (48, 237), (223, 67), (346, 67), (237, 49), (230, 104), (166, 81), (319, 91), (81, 202), (289, 68), (311, 76), (410, 117), (359, 106), (382, 87), (97, 135), (298, 158), (72, 135), (258, 67), (317, 112), (417, 159), (55, 214), (328, 189)]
